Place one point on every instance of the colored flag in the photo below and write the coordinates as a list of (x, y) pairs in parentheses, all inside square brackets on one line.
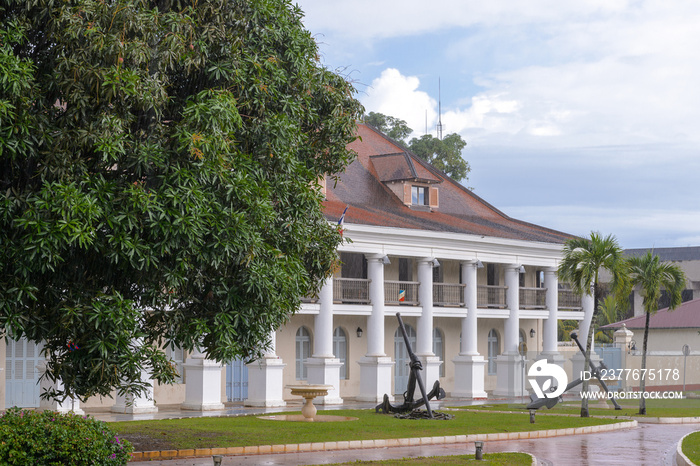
[(342, 220), (402, 295)]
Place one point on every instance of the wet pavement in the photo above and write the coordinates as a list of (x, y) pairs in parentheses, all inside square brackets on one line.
[(648, 444)]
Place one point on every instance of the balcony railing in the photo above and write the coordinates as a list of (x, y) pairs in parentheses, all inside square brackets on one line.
[(569, 301), (533, 298), (491, 296), (396, 292), (351, 290), (448, 294)]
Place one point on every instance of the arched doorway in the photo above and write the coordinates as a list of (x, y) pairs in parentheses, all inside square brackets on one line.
[(402, 369)]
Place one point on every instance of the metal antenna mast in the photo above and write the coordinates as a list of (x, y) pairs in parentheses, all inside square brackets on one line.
[(439, 124)]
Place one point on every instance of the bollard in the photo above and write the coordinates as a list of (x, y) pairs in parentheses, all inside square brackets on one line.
[(479, 455), (217, 459), (532, 416)]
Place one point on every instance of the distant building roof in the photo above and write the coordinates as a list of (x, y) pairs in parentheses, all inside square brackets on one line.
[(691, 253), (687, 315), (364, 187)]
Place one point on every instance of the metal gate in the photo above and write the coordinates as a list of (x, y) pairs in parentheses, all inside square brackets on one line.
[(21, 373), (402, 370), (612, 358), (236, 380)]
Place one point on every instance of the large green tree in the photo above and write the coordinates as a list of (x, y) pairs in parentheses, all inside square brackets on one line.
[(444, 154), (580, 267), (158, 180), (393, 127), (651, 276)]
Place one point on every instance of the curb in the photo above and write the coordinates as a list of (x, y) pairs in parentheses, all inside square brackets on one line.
[(681, 459), (379, 443), (667, 420)]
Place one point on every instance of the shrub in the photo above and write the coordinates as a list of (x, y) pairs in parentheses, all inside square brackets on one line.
[(51, 438)]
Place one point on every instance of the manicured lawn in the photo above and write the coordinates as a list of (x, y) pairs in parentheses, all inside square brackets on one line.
[(212, 432), (691, 447), (492, 459), (655, 408)]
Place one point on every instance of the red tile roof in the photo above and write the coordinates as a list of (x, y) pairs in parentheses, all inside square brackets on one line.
[(687, 315), (373, 203)]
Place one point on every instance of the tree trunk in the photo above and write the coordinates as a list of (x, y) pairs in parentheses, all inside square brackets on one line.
[(642, 382), (587, 359)]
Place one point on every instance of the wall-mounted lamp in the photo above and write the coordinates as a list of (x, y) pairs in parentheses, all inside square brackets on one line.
[(436, 263), (359, 332), (522, 269), (479, 264), (532, 333), (632, 345), (385, 260)]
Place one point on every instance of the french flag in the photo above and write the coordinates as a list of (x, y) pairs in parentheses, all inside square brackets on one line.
[(342, 220)]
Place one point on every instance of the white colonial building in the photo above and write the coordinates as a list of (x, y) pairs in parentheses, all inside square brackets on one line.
[(473, 286)]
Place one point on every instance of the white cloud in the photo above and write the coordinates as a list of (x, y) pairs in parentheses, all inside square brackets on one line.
[(397, 95)]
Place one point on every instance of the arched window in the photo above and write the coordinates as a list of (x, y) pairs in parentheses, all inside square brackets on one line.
[(340, 350), (493, 347), (303, 351), (439, 348)]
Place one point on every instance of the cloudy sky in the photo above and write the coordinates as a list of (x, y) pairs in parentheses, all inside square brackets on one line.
[(579, 116)]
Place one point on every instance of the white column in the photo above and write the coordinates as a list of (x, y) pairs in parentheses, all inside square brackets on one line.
[(66, 406), (424, 332), (469, 324), (550, 329), (129, 404), (469, 364), (266, 379), (509, 364), (203, 383), (375, 322), (323, 367), (375, 366), (512, 324)]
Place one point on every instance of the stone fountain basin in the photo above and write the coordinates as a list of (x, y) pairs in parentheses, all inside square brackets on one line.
[(309, 392)]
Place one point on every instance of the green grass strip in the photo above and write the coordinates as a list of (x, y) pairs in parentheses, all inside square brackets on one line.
[(213, 432), (691, 447)]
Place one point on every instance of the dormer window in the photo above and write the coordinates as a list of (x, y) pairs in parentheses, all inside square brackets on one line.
[(419, 195)]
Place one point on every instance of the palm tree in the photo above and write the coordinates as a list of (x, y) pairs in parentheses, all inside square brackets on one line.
[(608, 313), (582, 262), (652, 275)]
